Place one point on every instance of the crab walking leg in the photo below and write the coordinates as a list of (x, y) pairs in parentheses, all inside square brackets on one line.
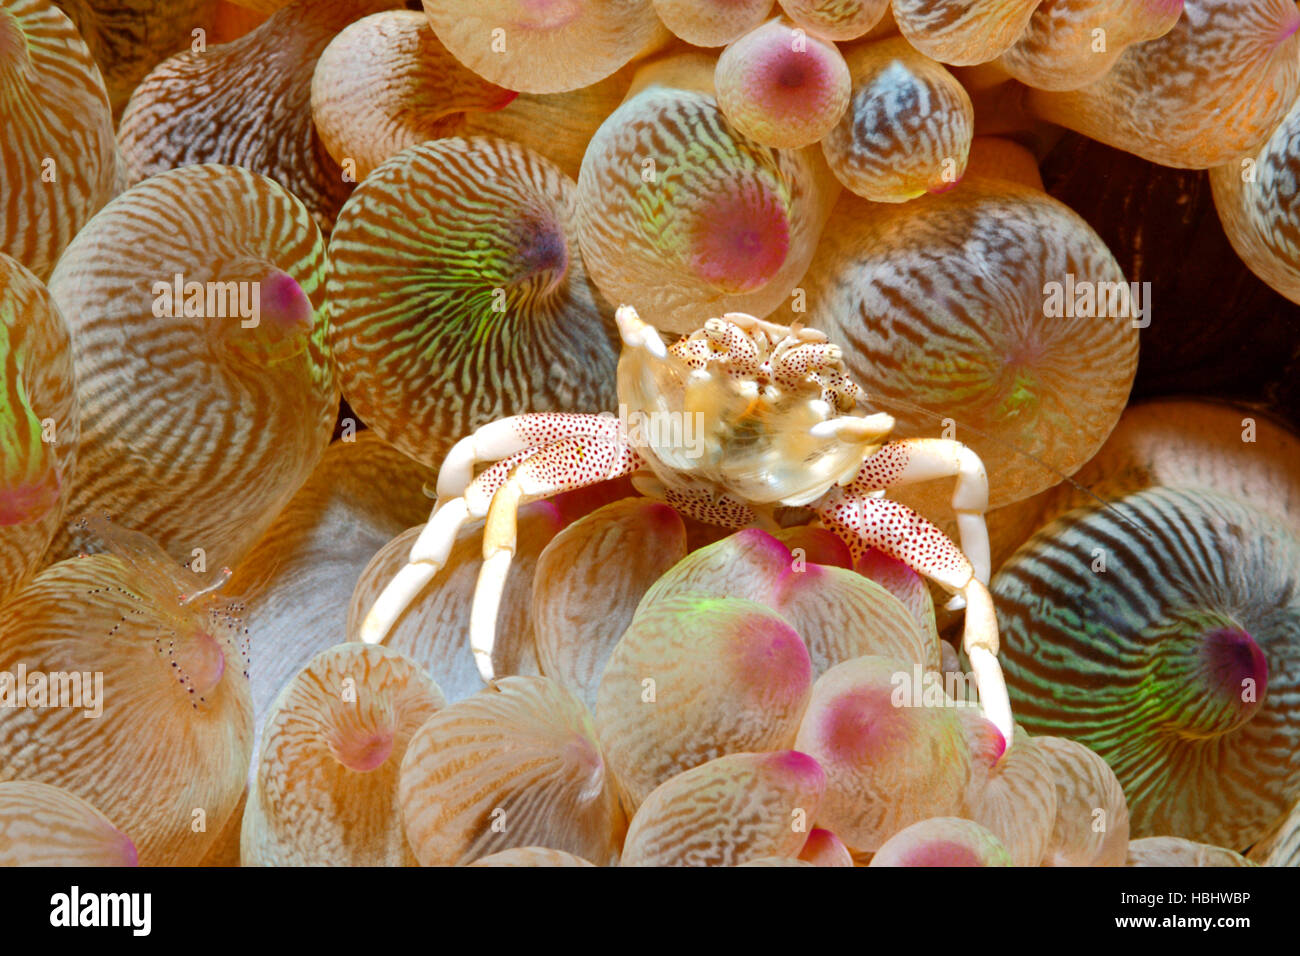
[(900, 532), (913, 460), (518, 433), (507, 441), (561, 466), (431, 549)]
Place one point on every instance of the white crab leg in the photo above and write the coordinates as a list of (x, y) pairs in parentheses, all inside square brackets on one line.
[(460, 502), (510, 436), (562, 466), (863, 521), (913, 460), (428, 556)]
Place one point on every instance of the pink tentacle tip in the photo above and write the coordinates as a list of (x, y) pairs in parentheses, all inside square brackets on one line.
[(740, 240), (1233, 660), (942, 853), (130, 855), (27, 501), (363, 752), (284, 304), (946, 187), (775, 660), (797, 764), (989, 743)]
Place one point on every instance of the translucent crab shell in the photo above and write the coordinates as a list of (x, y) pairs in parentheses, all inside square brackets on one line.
[(737, 404)]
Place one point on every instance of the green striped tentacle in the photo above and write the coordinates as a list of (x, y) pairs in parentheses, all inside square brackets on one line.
[(36, 390), (1179, 662), (457, 296)]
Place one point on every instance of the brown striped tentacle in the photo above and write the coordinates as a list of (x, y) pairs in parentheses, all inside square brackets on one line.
[(59, 162), (907, 129), (1208, 91), (386, 83), (957, 304), (681, 214), (246, 103), (325, 791), (837, 19), (711, 22), (963, 32), (544, 48), (195, 427), (128, 38), (1071, 43), (44, 825), (164, 751), (1259, 206), (1173, 619), (516, 765)]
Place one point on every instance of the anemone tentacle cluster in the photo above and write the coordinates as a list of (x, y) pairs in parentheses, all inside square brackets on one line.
[(523, 433)]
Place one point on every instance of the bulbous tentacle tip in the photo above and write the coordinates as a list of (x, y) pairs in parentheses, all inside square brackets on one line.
[(362, 752), (284, 304), (13, 43), (29, 498), (1233, 675)]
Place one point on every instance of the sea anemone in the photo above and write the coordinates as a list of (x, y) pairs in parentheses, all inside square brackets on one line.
[(1163, 633), (694, 677), (963, 32), (325, 792), (908, 127), (205, 282), (386, 83), (1072, 43), (38, 422), (297, 580), (837, 19), (543, 47), (252, 100), (42, 825), (975, 314), (680, 213), (456, 296), (59, 162), (1259, 205), (887, 765), (942, 841), (781, 88), (1202, 95), (515, 765), (144, 708), (733, 810), (711, 22)]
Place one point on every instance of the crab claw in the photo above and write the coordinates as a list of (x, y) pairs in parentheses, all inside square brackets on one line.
[(639, 334)]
